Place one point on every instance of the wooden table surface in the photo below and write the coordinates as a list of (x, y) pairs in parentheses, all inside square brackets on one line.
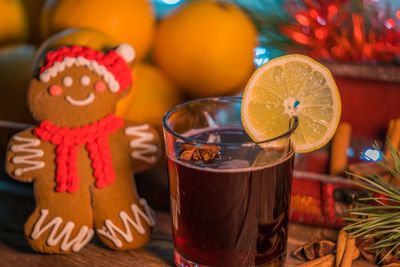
[(16, 203)]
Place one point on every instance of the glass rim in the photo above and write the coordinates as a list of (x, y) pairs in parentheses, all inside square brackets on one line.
[(293, 123)]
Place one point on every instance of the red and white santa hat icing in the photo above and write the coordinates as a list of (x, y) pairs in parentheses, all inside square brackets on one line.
[(111, 66)]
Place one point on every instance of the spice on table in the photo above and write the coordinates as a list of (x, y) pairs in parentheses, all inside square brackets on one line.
[(299, 254), (363, 245), (325, 247), (367, 256), (393, 136), (340, 247), (309, 251), (348, 252), (340, 144), (356, 254), (326, 261), (314, 249), (387, 256)]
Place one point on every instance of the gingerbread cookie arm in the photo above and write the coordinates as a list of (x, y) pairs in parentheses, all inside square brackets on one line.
[(144, 143), (24, 156)]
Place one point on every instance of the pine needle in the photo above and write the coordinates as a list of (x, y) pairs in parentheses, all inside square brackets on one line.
[(378, 216)]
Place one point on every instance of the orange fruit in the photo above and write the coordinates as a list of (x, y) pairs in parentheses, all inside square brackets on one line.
[(151, 96), (127, 21), (207, 47), (84, 37), (13, 22), (16, 64)]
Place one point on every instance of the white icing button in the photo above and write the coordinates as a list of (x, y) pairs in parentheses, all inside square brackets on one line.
[(67, 81), (85, 80)]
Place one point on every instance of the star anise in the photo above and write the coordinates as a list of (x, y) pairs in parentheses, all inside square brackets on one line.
[(314, 249), (205, 153), (363, 245), (387, 257)]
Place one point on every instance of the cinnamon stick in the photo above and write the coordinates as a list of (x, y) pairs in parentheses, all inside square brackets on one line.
[(326, 260), (348, 252), (340, 247), (393, 135), (329, 262), (390, 128), (356, 253), (340, 144), (392, 265)]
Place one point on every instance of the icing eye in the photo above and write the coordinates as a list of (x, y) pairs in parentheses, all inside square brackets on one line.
[(85, 80), (55, 90), (100, 86), (67, 81)]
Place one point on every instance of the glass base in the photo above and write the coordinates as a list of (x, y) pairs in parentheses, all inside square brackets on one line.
[(180, 261)]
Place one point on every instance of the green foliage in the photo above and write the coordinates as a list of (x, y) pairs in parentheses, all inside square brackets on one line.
[(378, 216)]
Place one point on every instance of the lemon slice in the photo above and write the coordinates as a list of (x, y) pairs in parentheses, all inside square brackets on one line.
[(288, 86)]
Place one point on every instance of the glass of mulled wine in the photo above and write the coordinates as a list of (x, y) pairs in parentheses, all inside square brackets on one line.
[(229, 195)]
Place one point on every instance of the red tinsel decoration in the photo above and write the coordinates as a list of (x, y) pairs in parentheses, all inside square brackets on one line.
[(332, 30)]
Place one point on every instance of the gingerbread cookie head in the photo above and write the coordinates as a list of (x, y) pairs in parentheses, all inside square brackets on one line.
[(79, 84)]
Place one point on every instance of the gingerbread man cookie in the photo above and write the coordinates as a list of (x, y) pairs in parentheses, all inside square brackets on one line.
[(81, 158)]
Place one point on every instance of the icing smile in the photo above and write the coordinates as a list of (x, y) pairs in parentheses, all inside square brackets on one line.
[(89, 99)]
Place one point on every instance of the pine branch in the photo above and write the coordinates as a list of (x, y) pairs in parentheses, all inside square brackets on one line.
[(378, 216)]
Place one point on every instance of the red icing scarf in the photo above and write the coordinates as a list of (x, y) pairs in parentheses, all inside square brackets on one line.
[(68, 141)]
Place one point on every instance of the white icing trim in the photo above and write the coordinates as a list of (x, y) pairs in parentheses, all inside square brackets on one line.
[(110, 230), (92, 65), (82, 238), (141, 147), (31, 154), (82, 102)]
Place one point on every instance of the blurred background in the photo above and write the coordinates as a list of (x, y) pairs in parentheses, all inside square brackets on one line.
[(197, 48)]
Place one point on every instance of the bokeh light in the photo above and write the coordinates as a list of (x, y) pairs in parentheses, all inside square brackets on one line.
[(171, 2), (261, 56), (371, 154), (164, 7)]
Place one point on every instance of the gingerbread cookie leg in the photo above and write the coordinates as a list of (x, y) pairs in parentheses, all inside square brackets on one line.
[(61, 222), (122, 220)]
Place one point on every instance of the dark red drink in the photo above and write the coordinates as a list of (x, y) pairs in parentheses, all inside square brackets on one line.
[(230, 213)]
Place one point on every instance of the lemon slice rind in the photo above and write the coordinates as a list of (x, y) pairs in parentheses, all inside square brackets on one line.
[(312, 132)]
